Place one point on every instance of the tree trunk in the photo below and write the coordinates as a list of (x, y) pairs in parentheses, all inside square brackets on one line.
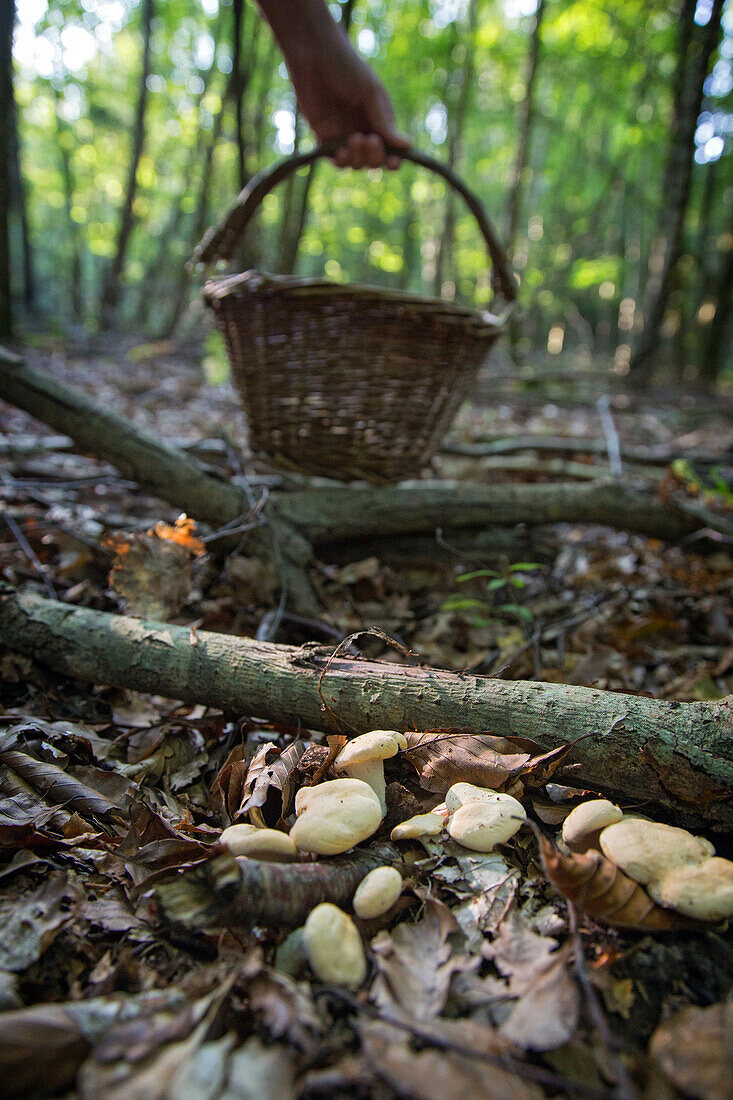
[(692, 70), (63, 137), (17, 190), (716, 353), (456, 122), (7, 22), (526, 122), (660, 753), (113, 282)]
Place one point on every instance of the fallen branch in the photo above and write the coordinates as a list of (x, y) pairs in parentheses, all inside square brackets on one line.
[(658, 753), (335, 514), (223, 892), (562, 445)]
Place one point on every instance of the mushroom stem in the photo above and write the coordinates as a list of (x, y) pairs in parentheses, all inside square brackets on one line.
[(371, 772)]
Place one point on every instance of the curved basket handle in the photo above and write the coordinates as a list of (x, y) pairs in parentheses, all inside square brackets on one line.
[(221, 240)]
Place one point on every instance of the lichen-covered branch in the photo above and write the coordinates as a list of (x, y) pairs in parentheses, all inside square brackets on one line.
[(658, 753)]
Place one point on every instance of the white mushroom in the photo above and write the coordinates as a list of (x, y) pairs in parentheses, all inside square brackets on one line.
[(700, 890), (480, 826), (377, 892), (460, 794), (334, 816), (333, 946), (233, 837), (362, 758), (420, 825), (582, 827), (266, 844), (648, 850)]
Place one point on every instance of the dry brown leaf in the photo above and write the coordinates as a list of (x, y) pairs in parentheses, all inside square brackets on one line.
[(546, 1012), (605, 893), (416, 963), (153, 571), (269, 788), (695, 1050), (442, 758), (31, 925), (438, 1074)]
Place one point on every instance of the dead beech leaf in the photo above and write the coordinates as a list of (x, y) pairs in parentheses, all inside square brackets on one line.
[(605, 893), (694, 1049), (39, 1045), (547, 1008), (55, 785), (227, 790), (31, 925), (438, 1074), (442, 758), (153, 571), (416, 963), (268, 788)]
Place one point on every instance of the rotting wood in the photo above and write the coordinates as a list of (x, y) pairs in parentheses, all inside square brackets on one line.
[(656, 753)]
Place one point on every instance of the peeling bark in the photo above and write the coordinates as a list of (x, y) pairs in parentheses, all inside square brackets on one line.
[(678, 756)]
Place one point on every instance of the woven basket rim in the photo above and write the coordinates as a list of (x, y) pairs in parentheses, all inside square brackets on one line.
[(217, 288)]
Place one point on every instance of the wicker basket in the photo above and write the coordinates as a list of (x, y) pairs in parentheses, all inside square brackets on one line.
[(345, 381)]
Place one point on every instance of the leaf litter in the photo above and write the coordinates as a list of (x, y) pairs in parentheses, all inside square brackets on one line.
[(111, 805)]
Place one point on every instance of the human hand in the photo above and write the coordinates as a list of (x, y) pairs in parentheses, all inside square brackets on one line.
[(337, 92), (341, 96)]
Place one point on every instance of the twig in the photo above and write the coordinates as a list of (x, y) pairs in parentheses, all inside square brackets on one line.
[(30, 553), (613, 446), (625, 1089)]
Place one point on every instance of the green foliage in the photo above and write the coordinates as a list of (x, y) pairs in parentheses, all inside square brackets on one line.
[(592, 194), (510, 582)]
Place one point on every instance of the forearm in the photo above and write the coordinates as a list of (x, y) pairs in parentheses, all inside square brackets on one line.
[(302, 27)]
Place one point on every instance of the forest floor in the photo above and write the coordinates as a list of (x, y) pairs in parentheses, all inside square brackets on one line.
[(478, 983)]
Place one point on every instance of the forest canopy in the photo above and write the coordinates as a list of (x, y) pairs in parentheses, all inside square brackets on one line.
[(599, 137)]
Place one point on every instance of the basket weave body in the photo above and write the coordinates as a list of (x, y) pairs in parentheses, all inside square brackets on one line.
[(344, 381)]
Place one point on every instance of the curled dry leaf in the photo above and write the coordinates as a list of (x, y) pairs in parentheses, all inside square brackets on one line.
[(605, 893), (269, 788), (444, 757), (56, 786)]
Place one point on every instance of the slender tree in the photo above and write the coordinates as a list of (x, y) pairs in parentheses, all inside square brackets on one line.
[(518, 173), (7, 22), (718, 342), (695, 49), (112, 287), (455, 124)]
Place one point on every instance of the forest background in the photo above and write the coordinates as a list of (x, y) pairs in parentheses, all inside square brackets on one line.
[(599, 136)]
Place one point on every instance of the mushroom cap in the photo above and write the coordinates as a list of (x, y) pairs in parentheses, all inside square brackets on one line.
[(377, 892), (480, 826), (332, 788), (460, 794), (376, 745), (701, 890), (648, 850), (233, 837), (334, 817), (587, 818), (266, 844), (333, 946), (420, 825)]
